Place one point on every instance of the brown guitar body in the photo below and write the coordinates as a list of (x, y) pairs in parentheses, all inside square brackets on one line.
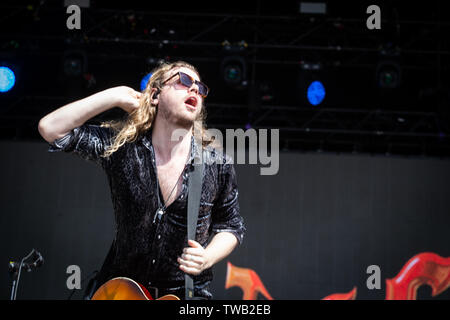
[(126, 289)]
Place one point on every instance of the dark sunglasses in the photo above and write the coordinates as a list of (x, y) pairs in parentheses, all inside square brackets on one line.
[(187, 81)]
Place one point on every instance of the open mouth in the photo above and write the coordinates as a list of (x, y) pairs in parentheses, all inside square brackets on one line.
[(191, 101)]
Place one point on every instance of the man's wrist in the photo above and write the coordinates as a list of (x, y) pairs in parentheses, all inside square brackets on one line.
[(209, 259)]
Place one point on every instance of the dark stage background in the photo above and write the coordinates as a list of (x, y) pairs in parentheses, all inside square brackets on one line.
[(313, 229), (364, 176)]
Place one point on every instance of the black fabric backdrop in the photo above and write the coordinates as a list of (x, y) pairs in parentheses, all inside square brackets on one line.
[(312, 229)]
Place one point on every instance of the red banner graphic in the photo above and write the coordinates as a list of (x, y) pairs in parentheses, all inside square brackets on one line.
[(248, 280), (425, 268), (342, 296)]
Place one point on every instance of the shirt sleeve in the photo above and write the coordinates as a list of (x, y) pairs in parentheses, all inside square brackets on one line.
[(225, 213), (87, 141)]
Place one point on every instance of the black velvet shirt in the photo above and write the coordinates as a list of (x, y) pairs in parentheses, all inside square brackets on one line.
[(146, 248)]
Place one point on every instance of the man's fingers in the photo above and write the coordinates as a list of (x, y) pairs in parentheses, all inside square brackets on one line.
[(189, 263), (189, 267), (193, 251), (190, 257), (192, 260), (189, 270)]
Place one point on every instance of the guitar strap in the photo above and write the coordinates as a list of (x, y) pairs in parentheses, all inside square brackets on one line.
[(195, 189)]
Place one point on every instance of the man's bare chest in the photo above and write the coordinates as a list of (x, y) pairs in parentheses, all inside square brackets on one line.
[(170, 180)]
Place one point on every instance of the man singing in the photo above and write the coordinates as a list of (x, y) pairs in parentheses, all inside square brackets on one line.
[(148, 173)]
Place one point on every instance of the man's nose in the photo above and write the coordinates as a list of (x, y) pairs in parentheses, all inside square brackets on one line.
[(194, 88)]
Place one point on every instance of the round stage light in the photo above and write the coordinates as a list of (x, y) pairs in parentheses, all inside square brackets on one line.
[(316, 93), (388, 74), (7, 79), (73, 66), (233, 74), (145, 80), (388, 78)]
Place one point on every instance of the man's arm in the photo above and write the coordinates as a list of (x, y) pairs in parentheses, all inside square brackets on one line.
[(228, 227), (196, 259), (60, 122)]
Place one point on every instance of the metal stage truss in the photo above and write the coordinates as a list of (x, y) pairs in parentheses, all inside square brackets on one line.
[(272, 42)]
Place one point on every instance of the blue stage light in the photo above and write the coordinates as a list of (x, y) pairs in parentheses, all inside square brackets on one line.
[(7, 79), (144, 81), (316, 93)]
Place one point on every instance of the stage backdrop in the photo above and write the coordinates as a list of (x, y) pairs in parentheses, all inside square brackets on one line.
[(312, 230)]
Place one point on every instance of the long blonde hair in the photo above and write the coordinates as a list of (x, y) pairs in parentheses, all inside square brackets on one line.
[(141, 119)]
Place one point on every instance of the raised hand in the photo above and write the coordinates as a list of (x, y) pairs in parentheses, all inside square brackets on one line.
[(125, 97)]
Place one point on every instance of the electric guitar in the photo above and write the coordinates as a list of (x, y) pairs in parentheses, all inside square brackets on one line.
[(122, 288)]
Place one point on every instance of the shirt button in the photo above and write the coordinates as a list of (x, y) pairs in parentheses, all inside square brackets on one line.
[(181, 197), (153, 261), (159, 236)]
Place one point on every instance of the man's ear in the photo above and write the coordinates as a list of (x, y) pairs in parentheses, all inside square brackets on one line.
[(154, 97)]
